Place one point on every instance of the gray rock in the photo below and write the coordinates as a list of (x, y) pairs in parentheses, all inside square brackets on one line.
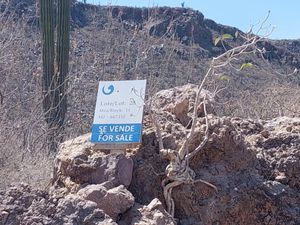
[(75, 210), (113, 201), (152, 214), (79, 163), (29, 206)]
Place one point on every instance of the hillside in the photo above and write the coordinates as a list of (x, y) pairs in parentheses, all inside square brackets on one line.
[(167, 46), (247, 174)]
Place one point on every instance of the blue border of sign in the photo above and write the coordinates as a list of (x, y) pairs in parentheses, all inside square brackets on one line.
[(116, 133)]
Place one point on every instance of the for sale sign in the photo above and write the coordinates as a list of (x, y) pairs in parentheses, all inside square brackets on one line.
[(119, 112)]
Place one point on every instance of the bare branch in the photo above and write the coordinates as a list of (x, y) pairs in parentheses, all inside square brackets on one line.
[(201, 145)]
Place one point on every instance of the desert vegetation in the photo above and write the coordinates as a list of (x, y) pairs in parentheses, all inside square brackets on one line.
[(244, 75)]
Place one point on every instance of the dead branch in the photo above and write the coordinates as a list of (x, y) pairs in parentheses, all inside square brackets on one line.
[(178, 171)]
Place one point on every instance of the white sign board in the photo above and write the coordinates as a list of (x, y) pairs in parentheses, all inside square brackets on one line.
[(119, 112)]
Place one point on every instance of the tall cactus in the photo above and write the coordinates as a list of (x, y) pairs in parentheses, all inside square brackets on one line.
[(62, 57), (47, 28), (55, 64)]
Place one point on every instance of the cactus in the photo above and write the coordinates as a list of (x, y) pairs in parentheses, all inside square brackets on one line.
[(55, 63), (47, 28), (62, 57)]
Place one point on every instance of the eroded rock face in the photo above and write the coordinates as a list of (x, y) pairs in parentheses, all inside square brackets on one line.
[(246, 194), (280, 150)]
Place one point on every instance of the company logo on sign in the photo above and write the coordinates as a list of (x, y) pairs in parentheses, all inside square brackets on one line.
[(110, 90), (119, 112)]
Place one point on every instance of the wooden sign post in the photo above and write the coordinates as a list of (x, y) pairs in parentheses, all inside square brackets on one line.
[(118, 115)]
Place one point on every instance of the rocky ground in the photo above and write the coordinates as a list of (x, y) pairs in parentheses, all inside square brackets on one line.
[(255, 166)]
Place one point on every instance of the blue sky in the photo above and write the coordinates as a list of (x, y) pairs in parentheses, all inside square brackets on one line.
[(285, 14)]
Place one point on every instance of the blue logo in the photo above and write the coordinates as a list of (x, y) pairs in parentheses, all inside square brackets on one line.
[(109, 91)]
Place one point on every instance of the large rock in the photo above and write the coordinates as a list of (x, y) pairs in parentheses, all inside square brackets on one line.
[(113, 201), (89, 188), (78, 162), (179, 102), (71, 208)]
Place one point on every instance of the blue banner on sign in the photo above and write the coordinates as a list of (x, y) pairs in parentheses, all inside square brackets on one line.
[(116, 133)]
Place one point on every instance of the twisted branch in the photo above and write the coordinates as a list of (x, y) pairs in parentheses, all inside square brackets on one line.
[(178, 171)]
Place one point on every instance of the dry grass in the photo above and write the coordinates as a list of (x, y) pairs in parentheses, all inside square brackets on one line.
[(107, 49)]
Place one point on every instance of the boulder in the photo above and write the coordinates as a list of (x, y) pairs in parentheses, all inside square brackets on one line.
[(179, 101), (113, 201), (75, 210), (79, 162)]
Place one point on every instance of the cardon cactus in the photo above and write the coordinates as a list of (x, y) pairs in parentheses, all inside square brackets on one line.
[(55, 63)]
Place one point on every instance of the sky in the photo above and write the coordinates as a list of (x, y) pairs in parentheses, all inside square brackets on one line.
[(284, 14)]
